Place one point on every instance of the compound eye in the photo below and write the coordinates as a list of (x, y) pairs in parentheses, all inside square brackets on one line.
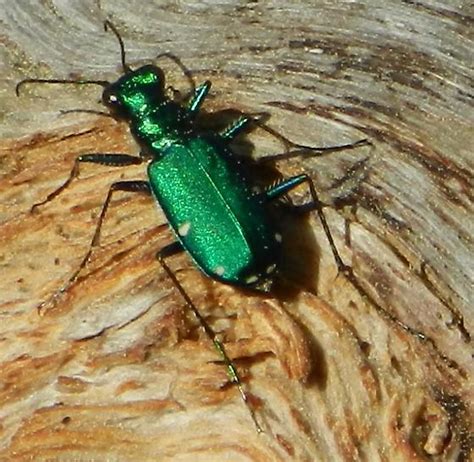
[(112, 99)]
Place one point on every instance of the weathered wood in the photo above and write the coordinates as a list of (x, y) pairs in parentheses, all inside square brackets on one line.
[(378, 368)]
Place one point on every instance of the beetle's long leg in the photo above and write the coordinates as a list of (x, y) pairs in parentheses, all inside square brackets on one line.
[(230, 132), (129, 186), (112, 160), (312, 151), (231, 368), (300, 149), (285, 186), (198, 97)]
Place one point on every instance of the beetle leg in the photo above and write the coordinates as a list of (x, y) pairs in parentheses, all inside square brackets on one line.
[(302, 150), (130, 186), (230, 132), (298, 149), (112, 160), (232, 372), (198, 97), (285, 186)]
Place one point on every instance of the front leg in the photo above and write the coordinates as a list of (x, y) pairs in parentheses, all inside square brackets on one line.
[(112, 160)]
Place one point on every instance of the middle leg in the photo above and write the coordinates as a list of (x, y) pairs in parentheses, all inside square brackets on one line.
[(285, 186)]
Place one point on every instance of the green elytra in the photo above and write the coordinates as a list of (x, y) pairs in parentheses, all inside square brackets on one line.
[(216, 215)]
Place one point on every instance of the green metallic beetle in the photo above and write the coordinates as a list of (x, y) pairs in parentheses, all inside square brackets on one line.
[(213, 210)]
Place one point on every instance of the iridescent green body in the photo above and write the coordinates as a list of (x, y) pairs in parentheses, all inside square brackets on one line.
[(220, 222)]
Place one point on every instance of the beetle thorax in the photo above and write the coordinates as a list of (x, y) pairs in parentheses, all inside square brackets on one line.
[(158, 128)]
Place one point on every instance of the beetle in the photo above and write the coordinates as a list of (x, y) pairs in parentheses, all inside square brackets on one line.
[(212, 208)]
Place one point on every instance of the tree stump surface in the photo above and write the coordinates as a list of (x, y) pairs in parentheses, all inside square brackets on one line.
[(373, 367)]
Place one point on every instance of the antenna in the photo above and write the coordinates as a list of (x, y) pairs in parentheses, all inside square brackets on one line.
[(108, 25), (102, 83)]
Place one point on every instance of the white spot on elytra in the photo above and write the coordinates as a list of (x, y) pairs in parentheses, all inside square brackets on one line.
[(183, 230), (251, 279), (220, 270), (278, 237), (271, 268)]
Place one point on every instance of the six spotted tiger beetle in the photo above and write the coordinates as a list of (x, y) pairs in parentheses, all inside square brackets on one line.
[(215, 213)]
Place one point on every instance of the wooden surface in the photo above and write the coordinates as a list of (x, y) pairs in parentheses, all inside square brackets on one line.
[(378, 368)]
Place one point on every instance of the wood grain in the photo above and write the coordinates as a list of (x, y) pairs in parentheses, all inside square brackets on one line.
[(378, 367)]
